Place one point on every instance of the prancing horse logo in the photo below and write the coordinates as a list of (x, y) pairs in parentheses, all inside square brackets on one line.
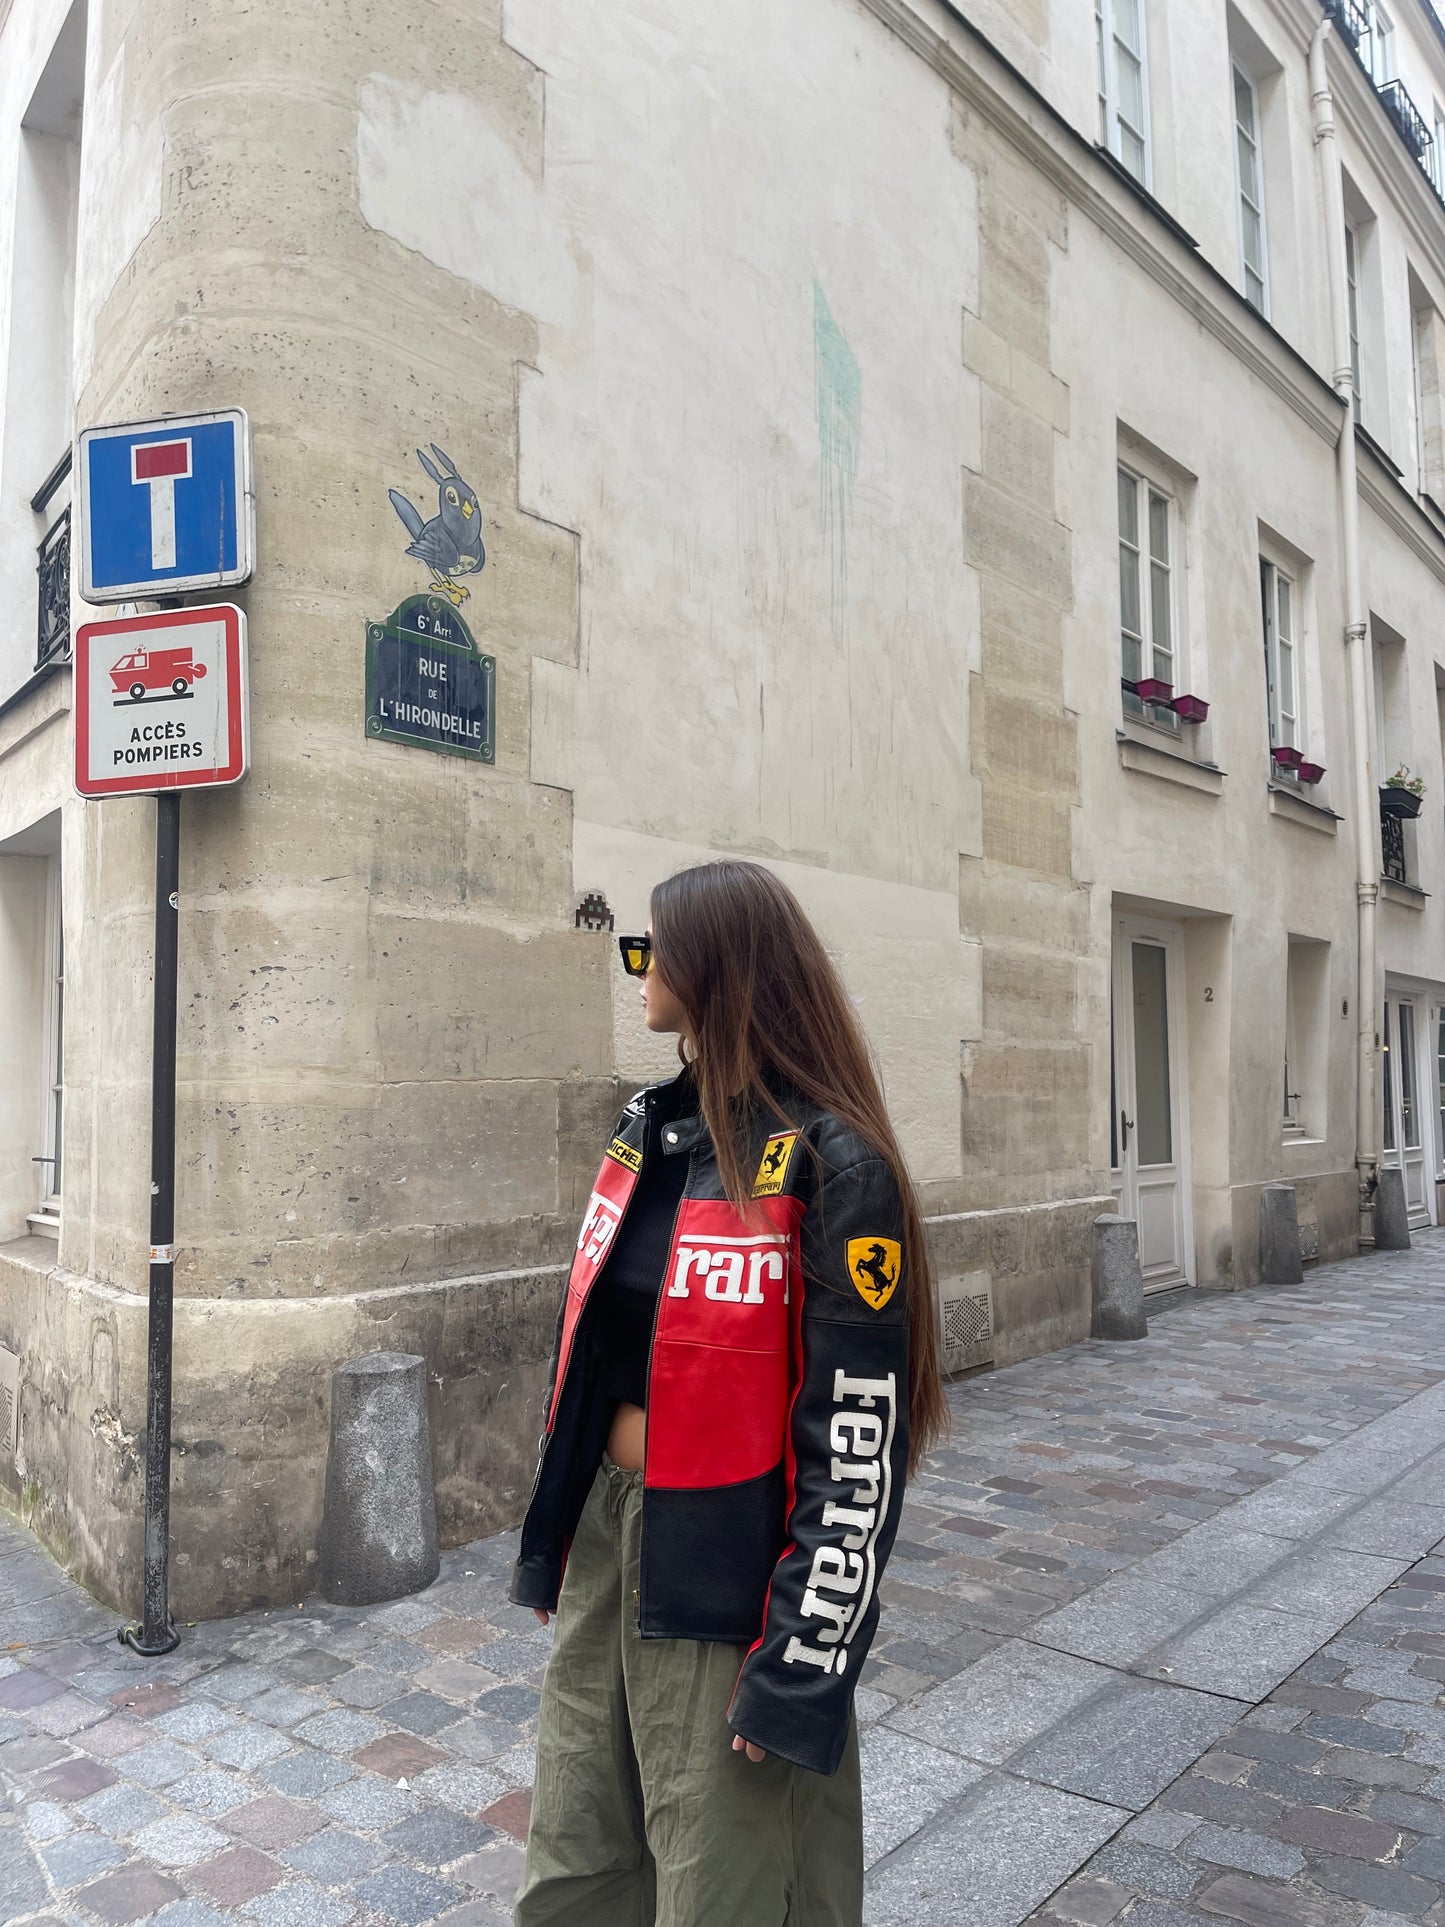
[(874, 1265)]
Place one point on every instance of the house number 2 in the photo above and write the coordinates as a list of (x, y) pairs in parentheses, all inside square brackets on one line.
[(1209, 993)]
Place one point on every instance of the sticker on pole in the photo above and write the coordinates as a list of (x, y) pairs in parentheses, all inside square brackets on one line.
[(160, 702), (166, 506)]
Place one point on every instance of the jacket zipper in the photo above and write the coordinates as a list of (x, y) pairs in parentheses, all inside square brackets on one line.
[(651, 1349), (546, 1438)]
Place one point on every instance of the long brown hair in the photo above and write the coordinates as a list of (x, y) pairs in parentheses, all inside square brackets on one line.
[(735, 947)]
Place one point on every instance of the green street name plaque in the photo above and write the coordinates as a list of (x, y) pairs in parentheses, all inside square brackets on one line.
[(427, 683)]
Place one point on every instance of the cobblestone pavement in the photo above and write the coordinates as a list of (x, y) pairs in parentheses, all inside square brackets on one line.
[(1164, 1643)]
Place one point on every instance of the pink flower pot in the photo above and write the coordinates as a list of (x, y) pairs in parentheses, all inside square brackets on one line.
[(1151, 690), (1286, 757), (1190, 709), (1311, 772)]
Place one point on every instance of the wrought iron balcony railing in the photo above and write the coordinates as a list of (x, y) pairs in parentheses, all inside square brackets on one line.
[(1351, 21), (52, 639), (53, 567), (1392, 848), (1410, 123)]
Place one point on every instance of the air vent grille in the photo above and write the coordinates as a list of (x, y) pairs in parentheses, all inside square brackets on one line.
[(9, 1404), (966, 1319)]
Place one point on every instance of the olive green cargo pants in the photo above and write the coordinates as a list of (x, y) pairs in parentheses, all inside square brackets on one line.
[(642, 1815)]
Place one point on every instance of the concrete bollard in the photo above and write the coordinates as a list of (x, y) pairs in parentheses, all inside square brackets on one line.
[(1392, 1221), (1279, 1248), (379, 1526), (1117, 1279)]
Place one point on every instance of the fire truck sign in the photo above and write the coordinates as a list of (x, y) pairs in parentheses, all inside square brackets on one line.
[(160, 702)]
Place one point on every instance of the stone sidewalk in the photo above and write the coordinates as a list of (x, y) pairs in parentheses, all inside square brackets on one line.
[(1163, 1643)]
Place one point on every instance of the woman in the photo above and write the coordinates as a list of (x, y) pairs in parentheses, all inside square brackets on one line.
[(746, 1349)]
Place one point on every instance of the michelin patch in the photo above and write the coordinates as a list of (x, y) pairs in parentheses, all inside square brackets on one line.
[(624, 1154)]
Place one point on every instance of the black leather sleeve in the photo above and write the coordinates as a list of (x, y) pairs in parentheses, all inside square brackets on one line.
[(849, 1438)]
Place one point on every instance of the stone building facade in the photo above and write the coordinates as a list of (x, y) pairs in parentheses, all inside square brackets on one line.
[(862, 398)]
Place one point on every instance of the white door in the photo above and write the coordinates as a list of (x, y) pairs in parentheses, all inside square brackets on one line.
[(1149, 1127), (1406, 1128)]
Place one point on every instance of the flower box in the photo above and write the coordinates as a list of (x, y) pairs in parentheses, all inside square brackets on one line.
[(1190, 709), (1150, 689), (1286, 757), (1311, 772), (1398, 801)]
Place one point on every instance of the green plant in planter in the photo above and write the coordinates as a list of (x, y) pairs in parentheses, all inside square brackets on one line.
[(1403, 780)]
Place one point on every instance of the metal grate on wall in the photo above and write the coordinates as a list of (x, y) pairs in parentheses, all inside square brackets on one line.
[(9, 1404), (966, 1320)]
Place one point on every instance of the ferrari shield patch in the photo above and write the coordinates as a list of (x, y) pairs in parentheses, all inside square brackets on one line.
[(875, 1265), (773, 1170)]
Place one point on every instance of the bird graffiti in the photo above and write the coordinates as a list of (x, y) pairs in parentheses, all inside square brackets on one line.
[(451, 542)]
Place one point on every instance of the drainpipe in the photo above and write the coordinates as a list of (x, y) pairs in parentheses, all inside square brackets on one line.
[(1367, 828)]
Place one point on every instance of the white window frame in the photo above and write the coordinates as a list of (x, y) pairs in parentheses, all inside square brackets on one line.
[(1110, 42), (1155, 569), (1283, 653), (1437, 146), (1381, 32), (1292, 1125), (52, 1032), (1249, 196)]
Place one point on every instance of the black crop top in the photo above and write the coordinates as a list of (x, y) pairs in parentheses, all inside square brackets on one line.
[(631, 1282)]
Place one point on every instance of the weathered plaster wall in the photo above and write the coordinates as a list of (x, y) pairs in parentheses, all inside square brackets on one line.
[(394, 1051)]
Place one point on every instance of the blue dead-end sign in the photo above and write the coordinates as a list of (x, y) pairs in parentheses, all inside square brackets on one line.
[(166, 506)]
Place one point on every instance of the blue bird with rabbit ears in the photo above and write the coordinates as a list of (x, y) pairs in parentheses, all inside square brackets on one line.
[(450, 543)]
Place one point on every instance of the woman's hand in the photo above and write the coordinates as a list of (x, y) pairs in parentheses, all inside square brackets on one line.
[(542, 1618), (754, 1753)]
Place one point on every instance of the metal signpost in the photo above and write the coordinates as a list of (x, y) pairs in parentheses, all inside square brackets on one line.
[(161, 706)]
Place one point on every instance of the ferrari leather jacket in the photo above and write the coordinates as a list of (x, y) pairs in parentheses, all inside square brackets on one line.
[(777, 1414)]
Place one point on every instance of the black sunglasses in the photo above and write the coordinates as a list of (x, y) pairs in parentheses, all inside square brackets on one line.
[(636, 955)]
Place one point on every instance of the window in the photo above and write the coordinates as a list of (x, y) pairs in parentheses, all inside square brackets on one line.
[(1281, 654), (1352, 293), (1306, 1040), (1377, 44), (53, 1097), (1146, 585), (1387, 1136), (1395, 750), (1123, 83), (1437, 150), (1250, 182), (1291, 1053), (1427, 367)]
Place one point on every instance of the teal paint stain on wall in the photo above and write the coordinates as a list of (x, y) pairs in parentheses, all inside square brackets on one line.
[(839, 402)]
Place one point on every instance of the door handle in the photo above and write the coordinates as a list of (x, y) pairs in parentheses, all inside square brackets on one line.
[(1126, 1125)]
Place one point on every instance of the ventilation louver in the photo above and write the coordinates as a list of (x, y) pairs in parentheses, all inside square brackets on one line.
[(9, 1404), (966, 1319)]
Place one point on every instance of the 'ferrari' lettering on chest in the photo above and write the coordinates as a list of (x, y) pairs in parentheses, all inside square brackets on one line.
[(735, 1271)]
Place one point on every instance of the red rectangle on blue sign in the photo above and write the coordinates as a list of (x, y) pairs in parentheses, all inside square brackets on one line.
[(161, 702), (159, 461)]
